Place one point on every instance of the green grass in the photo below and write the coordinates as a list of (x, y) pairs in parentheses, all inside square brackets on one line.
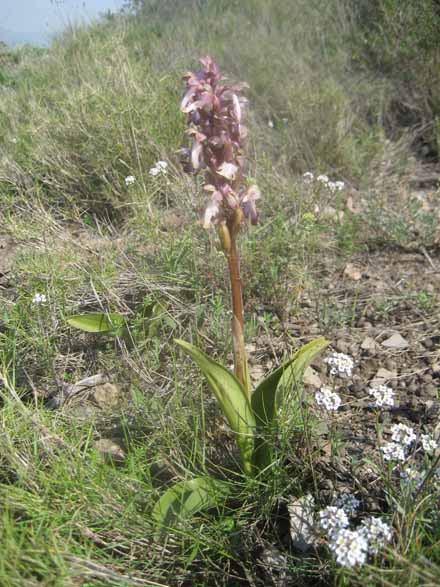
[(76, 120)]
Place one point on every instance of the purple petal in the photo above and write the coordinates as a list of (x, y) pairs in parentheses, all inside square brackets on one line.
[(248, 203)]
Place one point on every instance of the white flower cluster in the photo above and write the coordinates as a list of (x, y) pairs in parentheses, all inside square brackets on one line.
[(130, 180), (393, 451), (39, 299), (332, 519), (402, 437), (351, 547), (349, 503), (332, 186), (328, 398), (161, 168), (429, 444), (340, 364), (376, 532), (383, 396), (402, 434)]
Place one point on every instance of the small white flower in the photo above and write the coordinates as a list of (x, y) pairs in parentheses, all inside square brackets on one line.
[(383, 395), (328, 398), (350, 548), (340, 364), (340, 185), (308, 177), (349, 503), (331, 186), (392, 451), (130, 180), (270, 124), (161, 168), (429, 444), (376, 532), (154, 171), (322, 178), (333, 519), (402, 434), (39, 299)]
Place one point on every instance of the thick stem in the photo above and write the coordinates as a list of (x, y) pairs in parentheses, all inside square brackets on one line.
[(240, 360)]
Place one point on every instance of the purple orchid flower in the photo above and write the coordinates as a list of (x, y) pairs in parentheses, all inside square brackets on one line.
[(215, 112)]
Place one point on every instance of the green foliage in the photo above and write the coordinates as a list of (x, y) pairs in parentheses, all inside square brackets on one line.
[(232, 399), (267, 397), (250, 421), (97, 322), (185, 499)]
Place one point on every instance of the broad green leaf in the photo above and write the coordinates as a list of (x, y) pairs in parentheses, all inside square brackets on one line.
[(265, 399), (98, 322), (232, 399), (186, 498)]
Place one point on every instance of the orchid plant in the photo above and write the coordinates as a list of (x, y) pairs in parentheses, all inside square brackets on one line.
[(214, 110)]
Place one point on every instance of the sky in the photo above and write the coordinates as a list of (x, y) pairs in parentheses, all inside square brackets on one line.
[(50, 16)]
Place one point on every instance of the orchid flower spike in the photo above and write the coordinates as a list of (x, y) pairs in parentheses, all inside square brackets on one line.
[(215, 111)]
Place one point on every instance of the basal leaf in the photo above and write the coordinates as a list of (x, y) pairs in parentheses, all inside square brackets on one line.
[(265, 399), (232, 399), (186, 498), (98, 322)]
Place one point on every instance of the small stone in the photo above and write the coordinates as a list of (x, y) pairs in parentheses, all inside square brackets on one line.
[(357, 388), (436, 368), (431, 390), (390, 365), (396, 341), (412, 388), (311, 377), (341, 346), (353, 272), (107, 395), (428, 343), (368, 344), (384, 375), (111, 451), (302, 522)]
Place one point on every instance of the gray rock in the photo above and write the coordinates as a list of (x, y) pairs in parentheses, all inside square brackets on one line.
[(311, 377), (396, 341), (302, 529)]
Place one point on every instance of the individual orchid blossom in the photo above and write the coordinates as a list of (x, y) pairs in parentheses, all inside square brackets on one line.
[(215, 111)]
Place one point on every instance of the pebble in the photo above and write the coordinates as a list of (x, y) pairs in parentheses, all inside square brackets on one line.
[(390, 365), (428, 343), (341, 346), (357, 388), (368, 344), (436, 368), (395, 341), (412, 387), (431, 390)]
